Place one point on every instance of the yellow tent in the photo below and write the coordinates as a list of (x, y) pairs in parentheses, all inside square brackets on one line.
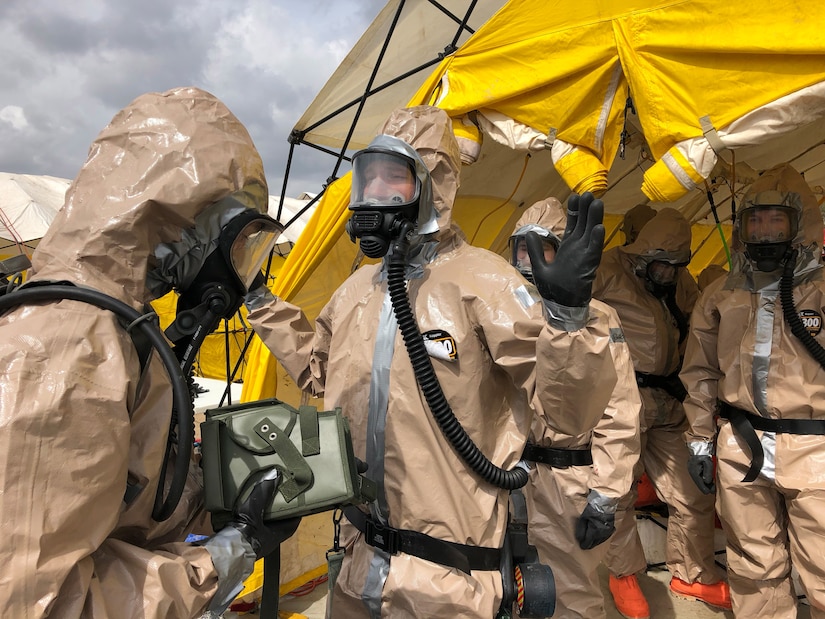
[(701, 74), (557, 90), (641, 101)]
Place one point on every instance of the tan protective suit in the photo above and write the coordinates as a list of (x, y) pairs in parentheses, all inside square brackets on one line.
[(634, 220), (653, 337), (492, 385), (78, 419), (556, 497), (741, 351), (709, 274)]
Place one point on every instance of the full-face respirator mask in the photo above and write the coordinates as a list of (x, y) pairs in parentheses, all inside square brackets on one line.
[(660, 271), (767, 231), (212, 267), (385, 193), (519, 256), (228, 271)]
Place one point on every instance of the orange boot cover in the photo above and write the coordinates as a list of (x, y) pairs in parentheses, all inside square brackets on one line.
[(717, 594), (628, 597)]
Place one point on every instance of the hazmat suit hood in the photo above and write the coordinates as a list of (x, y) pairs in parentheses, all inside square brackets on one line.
[(429, 132), (161, 161), (770, 187), (666, 237), (634, 220), (546, 217)]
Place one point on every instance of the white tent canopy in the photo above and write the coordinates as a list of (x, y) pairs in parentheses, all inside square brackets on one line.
[(289, 211), (422, 32), (28, 205)]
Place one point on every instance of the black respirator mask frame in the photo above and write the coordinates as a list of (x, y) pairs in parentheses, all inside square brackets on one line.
[(218, 289), (768, 256), (653, 285), (378, 222)]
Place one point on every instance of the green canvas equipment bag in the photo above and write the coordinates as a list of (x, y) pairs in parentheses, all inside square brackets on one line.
[(311, 449)]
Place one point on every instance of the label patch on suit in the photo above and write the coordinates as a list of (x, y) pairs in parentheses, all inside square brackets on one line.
[(441, 345), (811, 320), (617, 335)]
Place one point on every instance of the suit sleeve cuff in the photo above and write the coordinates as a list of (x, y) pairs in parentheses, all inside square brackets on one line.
[(602, 503), (234, 561), (700, 448), (564, 317)]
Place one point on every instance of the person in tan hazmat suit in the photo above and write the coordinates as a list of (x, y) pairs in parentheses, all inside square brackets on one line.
[(647, 284), (501, 354), (84, 420), (576, 481), (746, 364)]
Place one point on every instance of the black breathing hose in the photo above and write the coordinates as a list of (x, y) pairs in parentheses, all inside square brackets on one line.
[(790, 314), (428, 381), (160, 511), (182, 403), (678, 315)]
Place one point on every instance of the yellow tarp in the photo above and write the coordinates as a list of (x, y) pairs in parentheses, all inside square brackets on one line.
[(570, 65)]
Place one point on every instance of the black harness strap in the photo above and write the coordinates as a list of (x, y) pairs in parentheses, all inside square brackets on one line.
[(670, 384), (678, 315), (557, 457), (451, 554), (746, 423)]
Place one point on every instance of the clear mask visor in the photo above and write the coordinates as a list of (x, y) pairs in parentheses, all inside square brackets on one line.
[(768, 224), (383, 179), (662, 273), (520, 257), (252, 246)]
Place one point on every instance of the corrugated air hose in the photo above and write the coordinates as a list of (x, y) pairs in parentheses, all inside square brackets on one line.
[(428, 381)]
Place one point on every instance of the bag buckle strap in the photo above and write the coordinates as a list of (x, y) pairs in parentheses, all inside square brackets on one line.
[(382, 536), (298, 475)]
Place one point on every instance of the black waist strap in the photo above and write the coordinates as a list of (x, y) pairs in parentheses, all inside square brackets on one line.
[(556, 457), (670, 383), (746, 423), (460, 556)]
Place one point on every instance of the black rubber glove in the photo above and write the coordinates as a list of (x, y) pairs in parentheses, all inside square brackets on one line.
[(568, 280), (594, 527), (701, 470), (264, 537)]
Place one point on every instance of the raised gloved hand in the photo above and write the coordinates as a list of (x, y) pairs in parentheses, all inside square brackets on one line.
[(264, 537), (701, 471), (597, 522), (568, 280)]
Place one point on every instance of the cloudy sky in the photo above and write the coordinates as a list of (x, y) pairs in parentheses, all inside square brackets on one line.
[(67, 67)]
